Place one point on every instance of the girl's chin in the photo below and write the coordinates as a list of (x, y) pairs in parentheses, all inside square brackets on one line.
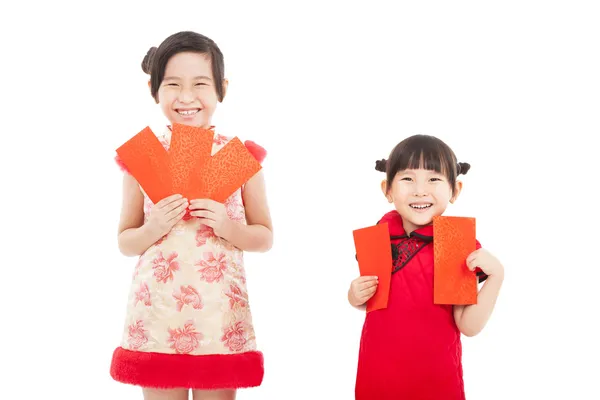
[(420, 222), (420, 219)]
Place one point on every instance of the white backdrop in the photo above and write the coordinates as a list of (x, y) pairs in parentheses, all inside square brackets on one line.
[(328, 89)]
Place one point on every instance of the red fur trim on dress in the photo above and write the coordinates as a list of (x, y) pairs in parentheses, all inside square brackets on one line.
[(168, 371), (257, 151)]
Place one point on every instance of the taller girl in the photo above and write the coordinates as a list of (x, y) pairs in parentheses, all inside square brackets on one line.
[(188, 323)]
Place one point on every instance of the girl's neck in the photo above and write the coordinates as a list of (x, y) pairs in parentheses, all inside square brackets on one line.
[(409, 227)]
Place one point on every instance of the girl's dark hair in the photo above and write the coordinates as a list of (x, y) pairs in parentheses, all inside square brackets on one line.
[(156, 59), (422, 151)]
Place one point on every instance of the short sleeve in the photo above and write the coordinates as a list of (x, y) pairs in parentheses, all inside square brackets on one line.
[(121, 164), (257, 151), (480, 274)]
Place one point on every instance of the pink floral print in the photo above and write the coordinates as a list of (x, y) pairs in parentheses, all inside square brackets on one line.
[(147, 207), (234, 337), (236, 296), (137, 335), (188, 295), (236, 266), (212, 267), (143, 295), (165, 141), (164, 267), (233, 210), (219, 139), (162, 239), (185, 340), (204, 233), (136, 270)]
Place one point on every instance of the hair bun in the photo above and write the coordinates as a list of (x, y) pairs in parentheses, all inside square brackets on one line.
[(462, 168), (148, 60), (381, 165)]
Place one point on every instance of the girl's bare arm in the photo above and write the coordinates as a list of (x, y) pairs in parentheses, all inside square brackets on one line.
[(257, 235)]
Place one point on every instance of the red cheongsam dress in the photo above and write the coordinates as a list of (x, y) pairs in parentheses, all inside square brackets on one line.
[(411, 350)]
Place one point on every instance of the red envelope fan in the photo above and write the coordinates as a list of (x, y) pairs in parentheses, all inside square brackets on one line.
[(188, 168), (454, 240)]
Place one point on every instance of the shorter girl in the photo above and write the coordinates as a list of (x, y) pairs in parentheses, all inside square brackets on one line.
[(412, 348)]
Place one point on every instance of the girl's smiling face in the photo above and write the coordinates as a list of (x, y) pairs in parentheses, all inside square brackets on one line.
[(419, 195), (187, 94), (421, 179)]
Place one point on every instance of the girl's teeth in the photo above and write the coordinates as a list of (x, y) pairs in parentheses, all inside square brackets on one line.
[(187, 112), (421, 206)]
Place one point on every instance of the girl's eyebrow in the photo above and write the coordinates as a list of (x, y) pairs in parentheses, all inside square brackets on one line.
[(176, 78)]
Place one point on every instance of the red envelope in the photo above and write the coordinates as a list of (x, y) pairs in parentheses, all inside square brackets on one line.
[(188, 168), (374, 254), (227, 171), (454, 240), (189, 153), (148, 162)]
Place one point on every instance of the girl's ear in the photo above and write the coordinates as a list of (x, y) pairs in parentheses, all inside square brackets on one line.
[(225, 86), (459, 186), (385, 191), (150, 87)]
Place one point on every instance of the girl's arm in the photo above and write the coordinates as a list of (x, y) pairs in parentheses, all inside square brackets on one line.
[(472, 319), (257, 235), (134, 237)]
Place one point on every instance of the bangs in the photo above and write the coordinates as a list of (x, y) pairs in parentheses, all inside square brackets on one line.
[(423, 152)]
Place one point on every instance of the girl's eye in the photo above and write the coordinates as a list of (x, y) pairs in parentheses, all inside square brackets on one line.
[(406, 178), (172, 84), (435, 179), (201, 84)]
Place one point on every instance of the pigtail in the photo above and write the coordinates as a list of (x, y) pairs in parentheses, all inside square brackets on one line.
[(148, 60), (462, 168), (381, 165)]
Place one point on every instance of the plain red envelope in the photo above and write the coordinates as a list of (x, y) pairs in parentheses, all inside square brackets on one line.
[(374, 254), (454, 240), (188, 167)]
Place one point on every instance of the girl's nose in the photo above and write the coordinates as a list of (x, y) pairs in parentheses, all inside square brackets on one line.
[(420, 191), (185, 96)]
